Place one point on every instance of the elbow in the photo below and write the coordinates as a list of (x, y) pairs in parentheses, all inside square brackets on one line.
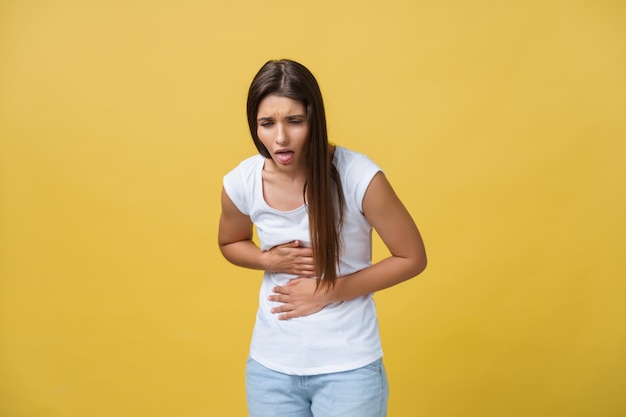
[(422, 265), (228, 254), (419, 265), (226, 251), (221, 245)]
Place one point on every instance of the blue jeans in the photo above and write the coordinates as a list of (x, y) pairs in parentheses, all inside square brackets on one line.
[(361, 392)]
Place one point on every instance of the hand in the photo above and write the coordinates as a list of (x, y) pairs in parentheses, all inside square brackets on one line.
[(299, 299), (291, 258)]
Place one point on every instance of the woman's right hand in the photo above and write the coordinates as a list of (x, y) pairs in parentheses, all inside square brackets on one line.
[(290, 258)]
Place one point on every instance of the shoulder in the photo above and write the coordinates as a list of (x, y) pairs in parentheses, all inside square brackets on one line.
[(241, 183), (349, 162), (356, 171), (245, 169), (346, 155), (248, 164)]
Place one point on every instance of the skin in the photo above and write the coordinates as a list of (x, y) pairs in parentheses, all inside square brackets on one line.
[(287, 129)]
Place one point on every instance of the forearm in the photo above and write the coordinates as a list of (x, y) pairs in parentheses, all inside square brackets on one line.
[(300, 298), (384, 274), (244, 253)]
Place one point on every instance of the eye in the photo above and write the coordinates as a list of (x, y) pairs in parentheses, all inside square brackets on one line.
[(266, 124)]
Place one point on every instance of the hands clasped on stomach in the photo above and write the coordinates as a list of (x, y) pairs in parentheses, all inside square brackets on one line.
[(298, 296)]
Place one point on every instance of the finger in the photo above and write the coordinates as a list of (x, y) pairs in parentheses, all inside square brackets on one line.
[(279, 290), (285, 308), (302, 261), (305, 252), (298, 264), (287, 316), (278, 298)]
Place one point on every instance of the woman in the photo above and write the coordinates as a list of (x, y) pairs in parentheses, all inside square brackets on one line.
[(315, 348)]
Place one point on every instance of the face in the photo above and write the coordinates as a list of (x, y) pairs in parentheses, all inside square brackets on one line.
[(283, 128)]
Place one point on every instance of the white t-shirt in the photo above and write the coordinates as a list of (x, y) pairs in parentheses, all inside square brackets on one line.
[(342, 336)]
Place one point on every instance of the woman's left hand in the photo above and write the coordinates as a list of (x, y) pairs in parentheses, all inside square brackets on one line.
[(298, 298)]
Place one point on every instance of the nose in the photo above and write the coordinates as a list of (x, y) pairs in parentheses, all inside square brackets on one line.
[(281, 135)]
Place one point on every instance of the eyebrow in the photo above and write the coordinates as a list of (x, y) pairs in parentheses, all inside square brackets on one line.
[(290, 117)]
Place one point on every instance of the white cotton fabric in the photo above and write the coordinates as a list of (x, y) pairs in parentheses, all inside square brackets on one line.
[(342, 336)]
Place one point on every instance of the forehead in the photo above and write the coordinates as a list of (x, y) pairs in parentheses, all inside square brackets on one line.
[(274, 105)]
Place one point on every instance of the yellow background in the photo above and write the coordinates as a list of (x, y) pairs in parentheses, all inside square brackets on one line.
[(501, 125)]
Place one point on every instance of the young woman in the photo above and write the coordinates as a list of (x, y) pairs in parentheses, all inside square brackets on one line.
[(315, 348)]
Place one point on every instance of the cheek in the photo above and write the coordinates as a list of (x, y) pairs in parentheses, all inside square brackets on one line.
[(305, 133), (262, 134)]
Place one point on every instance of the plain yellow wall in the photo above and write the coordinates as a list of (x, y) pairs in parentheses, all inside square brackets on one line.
[(501, 125)]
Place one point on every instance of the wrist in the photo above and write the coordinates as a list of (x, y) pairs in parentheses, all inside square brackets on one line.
[(264, 261), (330, 295)]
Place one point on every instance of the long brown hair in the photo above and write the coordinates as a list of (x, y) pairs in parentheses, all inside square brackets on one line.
[(323, 192)]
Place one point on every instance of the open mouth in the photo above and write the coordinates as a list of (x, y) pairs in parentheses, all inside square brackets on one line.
[(284, 157)]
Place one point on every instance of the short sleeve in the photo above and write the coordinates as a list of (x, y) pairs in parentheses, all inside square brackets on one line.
[(357, 176), (239, 183)]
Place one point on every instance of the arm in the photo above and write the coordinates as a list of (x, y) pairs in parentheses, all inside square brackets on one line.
[(393, 223), (235, 236), (237, 246)]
